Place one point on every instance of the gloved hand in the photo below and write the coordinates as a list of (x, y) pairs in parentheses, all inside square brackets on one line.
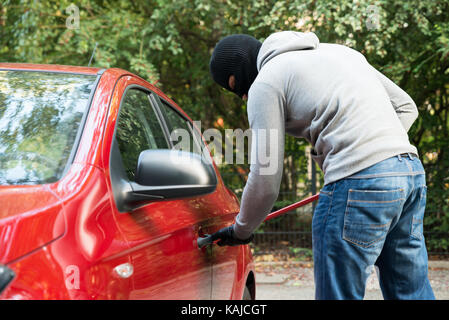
[(227, 237)]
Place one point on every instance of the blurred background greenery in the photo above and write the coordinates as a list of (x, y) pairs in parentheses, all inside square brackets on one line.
[(169, 43)]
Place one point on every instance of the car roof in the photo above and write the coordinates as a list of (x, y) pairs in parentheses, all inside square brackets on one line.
[(49, 67), (116, 72), (84, 70)]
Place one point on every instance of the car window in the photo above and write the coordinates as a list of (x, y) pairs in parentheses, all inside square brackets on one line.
[(180, 131), (138, 129), (40, 117)]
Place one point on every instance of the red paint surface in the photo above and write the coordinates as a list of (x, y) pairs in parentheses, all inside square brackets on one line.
[(63, 240)]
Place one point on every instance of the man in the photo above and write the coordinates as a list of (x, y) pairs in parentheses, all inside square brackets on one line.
[(371, 207)]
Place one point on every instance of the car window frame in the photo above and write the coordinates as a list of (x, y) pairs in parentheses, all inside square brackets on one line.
[(161, 120), (156, 102), (83, 121), (199, 144)]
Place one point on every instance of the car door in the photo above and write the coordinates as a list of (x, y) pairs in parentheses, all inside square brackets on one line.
[(166, 261), (225, 208), (225, 268)]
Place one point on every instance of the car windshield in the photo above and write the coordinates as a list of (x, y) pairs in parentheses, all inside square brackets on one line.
[(40, 115)]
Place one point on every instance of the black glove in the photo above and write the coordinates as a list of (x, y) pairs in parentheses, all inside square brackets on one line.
[(227, 237)]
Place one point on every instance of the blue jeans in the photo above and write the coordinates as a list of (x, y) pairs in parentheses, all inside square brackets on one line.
[(374, 217)]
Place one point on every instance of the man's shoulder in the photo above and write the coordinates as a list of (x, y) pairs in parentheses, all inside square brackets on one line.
[(272, 76), (262, 86)]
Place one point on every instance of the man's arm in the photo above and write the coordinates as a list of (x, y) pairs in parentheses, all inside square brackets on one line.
[(402, 103), (267, 122)]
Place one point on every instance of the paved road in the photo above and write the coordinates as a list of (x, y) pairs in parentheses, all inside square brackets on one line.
[(294, 281)]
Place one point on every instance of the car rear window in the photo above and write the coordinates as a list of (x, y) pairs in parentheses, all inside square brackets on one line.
[(40, 117)]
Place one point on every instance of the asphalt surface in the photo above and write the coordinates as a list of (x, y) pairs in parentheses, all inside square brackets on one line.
[(294, 281)]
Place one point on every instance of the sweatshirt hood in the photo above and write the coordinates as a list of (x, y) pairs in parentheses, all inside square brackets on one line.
[(285, 41)]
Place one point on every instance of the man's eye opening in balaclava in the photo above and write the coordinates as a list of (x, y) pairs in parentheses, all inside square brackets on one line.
[(232, 83), (239, 89), (232, 86), (235, 55)]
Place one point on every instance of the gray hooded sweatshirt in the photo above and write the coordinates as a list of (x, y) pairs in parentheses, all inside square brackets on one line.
[(328, 94)]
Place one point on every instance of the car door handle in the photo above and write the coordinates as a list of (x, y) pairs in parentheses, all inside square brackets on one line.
[(204, 241)]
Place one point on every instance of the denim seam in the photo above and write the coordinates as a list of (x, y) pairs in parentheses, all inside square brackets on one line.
[(375, 226), (364, 244), (388, 174), (374, 191), (323, 270), (371, 191), (416, 235), (420, 199), (409, 166), (411, 227), (366, 201)]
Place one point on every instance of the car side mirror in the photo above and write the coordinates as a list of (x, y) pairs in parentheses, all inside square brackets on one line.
[(170, 174)]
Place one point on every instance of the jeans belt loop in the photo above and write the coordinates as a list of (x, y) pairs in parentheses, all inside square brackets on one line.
[(410, 156), (399, 157)]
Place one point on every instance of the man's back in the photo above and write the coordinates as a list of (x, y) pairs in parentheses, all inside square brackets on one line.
[(334, 99)]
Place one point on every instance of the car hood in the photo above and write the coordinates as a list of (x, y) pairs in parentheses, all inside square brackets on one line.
[(30, 218)]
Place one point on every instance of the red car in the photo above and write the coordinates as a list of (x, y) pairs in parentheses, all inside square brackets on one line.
[(97, 201)]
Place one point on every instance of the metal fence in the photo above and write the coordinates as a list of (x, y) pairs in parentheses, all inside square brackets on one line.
[(291, 230)]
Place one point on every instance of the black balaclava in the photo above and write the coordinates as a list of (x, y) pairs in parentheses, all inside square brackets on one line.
[(235, 55)]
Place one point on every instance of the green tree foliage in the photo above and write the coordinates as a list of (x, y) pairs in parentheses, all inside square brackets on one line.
[(170, 42)]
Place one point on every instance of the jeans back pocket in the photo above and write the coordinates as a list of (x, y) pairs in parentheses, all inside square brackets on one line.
[(369, 214)]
